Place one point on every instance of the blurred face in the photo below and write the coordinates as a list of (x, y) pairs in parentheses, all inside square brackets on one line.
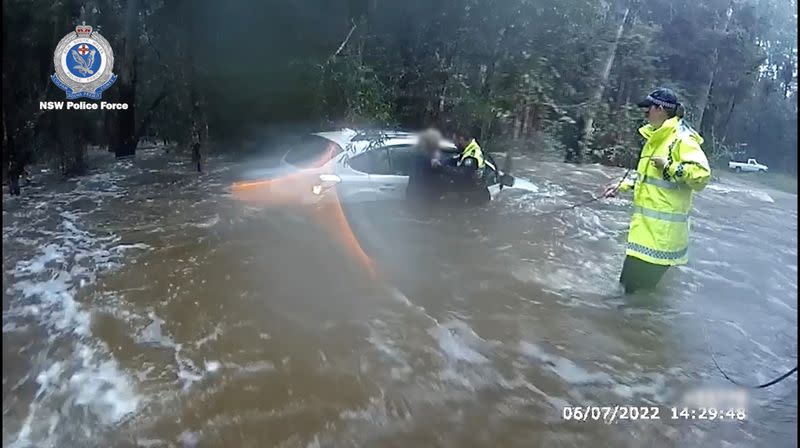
[(655, 115), (429, 141)]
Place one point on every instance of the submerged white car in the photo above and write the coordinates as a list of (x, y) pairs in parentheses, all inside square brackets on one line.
[(367, 166)]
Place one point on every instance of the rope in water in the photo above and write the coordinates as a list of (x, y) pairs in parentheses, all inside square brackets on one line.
[(760, 386), (705, 331), (727, 377), (581, 204), (708, 343)]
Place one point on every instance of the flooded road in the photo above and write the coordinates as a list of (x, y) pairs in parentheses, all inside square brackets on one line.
[(146, 306)]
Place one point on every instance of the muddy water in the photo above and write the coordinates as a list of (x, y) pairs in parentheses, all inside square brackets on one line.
[(147, 306)]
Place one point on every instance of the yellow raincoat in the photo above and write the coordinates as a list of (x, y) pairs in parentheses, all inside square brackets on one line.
[(662, 199), (475, 151)]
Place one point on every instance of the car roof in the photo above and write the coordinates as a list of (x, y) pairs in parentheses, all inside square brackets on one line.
[(356, 142)]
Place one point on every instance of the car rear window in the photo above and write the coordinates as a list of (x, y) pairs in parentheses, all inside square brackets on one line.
[(311, 151)]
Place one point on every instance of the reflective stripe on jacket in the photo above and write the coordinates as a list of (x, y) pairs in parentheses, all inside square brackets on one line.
[(662, 199)]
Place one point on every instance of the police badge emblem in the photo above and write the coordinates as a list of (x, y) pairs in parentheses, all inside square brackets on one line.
[(83, 61)]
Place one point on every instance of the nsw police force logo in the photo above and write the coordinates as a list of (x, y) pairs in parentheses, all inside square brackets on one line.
[(83, 61)]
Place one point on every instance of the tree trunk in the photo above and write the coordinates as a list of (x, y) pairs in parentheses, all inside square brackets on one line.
[(591, 110), (11, 168), (728, 118), (8, 136), (443, 97), (199, 125), (487, 87), (527, 121), (446, 70), (486, 92), (705, 95), (123, 142), (149, 114)]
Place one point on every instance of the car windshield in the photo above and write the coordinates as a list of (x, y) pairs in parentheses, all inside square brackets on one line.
[(311, 151)]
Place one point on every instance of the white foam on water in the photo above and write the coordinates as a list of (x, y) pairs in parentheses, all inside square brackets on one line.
[(50, 253), (463, 353), (398, 295), (188, 373), (374, 412), (152, 334), (711, 275), (565, 369), (213, 336), (556, 403), (122, 247), (776, 301), (718, 187), (761, 196), (314, 443), (189, 439), (565, 281), (384, 345), (212, 366), (744, 333), (525, 185), (104, 388), (253, 367), (755, 194), (208, 223), (457, 340), (631, 386), (151, 443), (89, 382), (13, 327), (649, 385)]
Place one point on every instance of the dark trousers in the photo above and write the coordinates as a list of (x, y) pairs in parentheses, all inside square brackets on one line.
[(640, 275)]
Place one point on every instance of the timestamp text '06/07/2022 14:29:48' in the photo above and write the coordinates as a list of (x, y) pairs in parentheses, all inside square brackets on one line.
[(612, 414)]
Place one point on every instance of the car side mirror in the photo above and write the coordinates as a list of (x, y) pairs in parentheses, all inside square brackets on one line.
[(507, 180)]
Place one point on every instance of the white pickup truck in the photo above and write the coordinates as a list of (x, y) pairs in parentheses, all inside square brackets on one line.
[(750, 166)]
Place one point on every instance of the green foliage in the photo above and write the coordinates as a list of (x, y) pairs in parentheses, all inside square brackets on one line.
[(364, 99), (523, 71)]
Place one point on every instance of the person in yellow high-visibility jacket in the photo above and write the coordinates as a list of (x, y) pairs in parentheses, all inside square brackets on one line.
[(465, 173), (671, 168)]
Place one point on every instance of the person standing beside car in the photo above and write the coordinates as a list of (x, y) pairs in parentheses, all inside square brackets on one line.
[(425, 181), (466, 176)]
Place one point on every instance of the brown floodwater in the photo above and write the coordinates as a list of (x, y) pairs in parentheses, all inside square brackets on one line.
[(146, 305)]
